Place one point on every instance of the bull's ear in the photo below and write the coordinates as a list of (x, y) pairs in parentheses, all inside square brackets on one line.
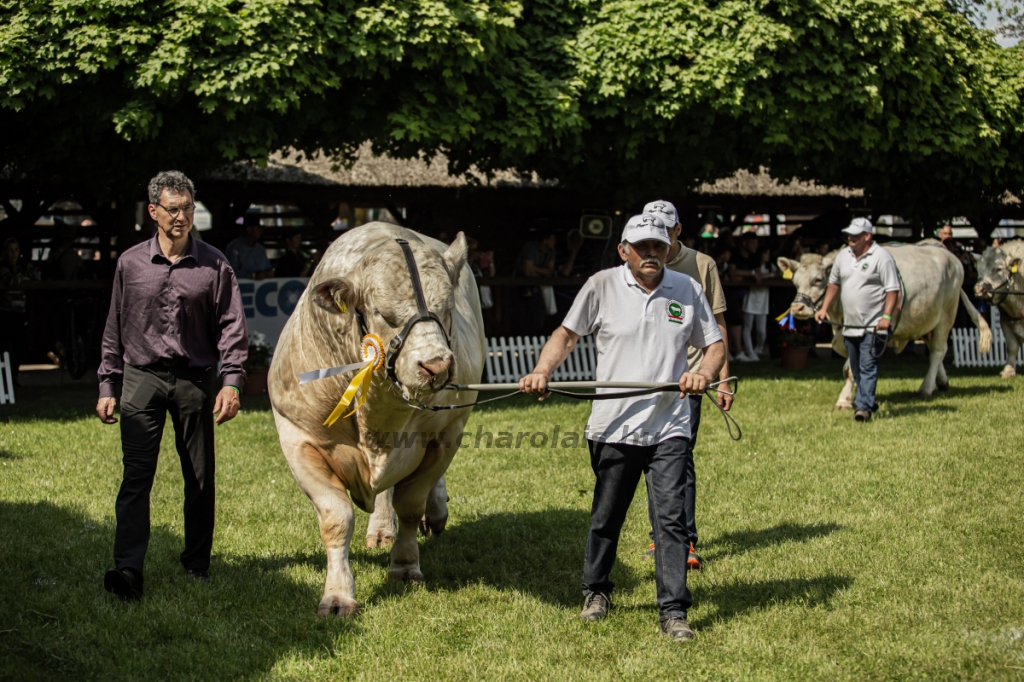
[(828, 260), (336, 295), (455, 256), (787, 264)]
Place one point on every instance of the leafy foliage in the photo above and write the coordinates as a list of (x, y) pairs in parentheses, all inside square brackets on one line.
[(908, 99)]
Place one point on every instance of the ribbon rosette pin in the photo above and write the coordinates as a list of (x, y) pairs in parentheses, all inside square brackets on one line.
[(355, 393)]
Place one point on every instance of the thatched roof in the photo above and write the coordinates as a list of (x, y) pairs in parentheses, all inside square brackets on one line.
[(745, 183), (383, 171), (371, 171)]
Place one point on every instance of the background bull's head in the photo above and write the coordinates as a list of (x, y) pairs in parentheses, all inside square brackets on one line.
[(995, 271), (810, 276), (381, 290)]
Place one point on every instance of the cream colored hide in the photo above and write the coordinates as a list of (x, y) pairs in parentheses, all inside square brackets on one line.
[(996, 271), (365, 270), (931, 277)]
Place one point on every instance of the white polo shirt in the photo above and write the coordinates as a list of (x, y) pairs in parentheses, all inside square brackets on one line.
[(863, 284), (641, 336)]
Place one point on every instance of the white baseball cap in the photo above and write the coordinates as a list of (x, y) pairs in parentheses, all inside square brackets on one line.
[(859, 226), (664, 210), (645, 226)]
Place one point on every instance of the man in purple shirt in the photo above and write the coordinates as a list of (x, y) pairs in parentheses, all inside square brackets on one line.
[(175, 311)]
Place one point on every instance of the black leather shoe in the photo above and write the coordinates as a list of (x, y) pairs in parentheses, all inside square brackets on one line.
[(126, 583), (198, 575)]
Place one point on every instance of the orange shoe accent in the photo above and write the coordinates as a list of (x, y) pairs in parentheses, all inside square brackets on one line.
[(693, 561)]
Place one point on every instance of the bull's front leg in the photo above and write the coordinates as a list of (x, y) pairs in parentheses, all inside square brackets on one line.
[(845, 401), (1012, 348), (336, 516), (380, 531), (410, 501), (435, 518)]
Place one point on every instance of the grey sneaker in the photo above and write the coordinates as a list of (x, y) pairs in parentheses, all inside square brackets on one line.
[(862, 415), (595, 607), (678, 630)]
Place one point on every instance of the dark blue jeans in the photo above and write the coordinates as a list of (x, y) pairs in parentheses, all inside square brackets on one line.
[(690, 486), (865, 367), (618, 467)]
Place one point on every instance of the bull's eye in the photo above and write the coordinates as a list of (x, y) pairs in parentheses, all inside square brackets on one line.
[(817, 281), (383, 317)]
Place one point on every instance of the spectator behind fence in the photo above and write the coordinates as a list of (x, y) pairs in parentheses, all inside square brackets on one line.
[(247, 256), (744, 263), (482, 265), (294, 262), (537, 259), (755, 312), (64, 263), (14, 271)]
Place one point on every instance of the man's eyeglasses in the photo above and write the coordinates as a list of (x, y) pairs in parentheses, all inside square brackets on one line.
[(175, 212)]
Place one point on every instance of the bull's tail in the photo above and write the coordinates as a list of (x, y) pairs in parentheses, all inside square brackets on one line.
[(984, 332)]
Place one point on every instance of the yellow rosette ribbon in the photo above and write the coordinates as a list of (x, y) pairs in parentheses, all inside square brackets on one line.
[(355, 394)]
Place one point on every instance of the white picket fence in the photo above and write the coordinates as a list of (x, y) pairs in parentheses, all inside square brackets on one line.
[(965, 347), (508, 359), (6, 382)]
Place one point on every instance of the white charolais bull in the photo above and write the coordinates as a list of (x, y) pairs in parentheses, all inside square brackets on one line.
[(364, 280), (931, 277), (1001, 268)]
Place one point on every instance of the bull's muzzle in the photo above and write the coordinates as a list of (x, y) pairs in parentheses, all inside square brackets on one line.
[(983, 290), (437, 371)]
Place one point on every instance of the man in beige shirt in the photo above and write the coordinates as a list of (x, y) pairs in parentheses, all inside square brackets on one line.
[(703, 270)]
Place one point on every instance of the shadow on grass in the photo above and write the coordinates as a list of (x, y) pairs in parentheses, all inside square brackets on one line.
[(741, 541), (56, 621), (537, 553), (7, 454), (733, 600)]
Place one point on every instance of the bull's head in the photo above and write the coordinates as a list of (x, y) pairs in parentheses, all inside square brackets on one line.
[(381, 292), (810, 276), (995, 271)]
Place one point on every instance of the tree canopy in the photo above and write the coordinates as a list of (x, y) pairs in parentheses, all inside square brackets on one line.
[(903, 97)]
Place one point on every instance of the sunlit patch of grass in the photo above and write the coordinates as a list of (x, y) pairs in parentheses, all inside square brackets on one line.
[(834, 550)]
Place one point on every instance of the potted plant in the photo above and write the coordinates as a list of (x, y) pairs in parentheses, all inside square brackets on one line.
[(257, 365), (794, 348)]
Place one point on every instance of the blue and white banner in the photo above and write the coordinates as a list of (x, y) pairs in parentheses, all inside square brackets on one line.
[(268, 303)]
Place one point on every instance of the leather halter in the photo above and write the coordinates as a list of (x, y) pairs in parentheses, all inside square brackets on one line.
[(422, 315)]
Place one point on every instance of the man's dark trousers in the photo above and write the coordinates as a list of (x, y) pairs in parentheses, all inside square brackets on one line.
[(690, 487), (149, 393), (618, 467), (865, 367)]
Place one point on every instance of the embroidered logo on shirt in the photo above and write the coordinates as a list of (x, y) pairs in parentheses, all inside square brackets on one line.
[(864, 267), (675, 312)]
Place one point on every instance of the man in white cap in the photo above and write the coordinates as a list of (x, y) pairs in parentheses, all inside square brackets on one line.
[(704, 271), (644, 318), (866, 275)]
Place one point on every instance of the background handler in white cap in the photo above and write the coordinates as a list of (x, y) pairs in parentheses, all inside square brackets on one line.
[(866, 275), (704, 271), (644, 319)]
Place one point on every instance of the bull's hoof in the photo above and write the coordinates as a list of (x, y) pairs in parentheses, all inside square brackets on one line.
[(942, 386), (923, 393), (411, 576), (1008, 372), (842, 407), (380, 539), (336, 605), (429, 526)]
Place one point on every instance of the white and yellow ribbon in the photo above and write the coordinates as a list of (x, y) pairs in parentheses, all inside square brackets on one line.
[(355, 393)]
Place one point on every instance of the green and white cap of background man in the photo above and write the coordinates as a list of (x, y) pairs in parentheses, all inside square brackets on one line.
[(664, 210), (643, 227)]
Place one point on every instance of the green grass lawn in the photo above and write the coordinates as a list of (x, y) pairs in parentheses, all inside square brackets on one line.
[(834, 550)]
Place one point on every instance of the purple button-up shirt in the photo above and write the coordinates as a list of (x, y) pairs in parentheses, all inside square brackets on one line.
[(168, 311)]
